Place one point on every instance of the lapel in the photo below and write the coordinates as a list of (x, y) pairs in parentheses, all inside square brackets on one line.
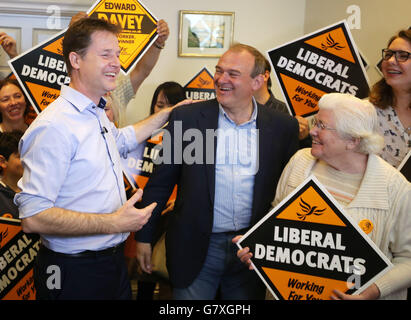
[(208, 119), (265, 139)]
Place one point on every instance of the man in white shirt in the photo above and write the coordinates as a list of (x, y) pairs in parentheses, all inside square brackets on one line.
[(72, 188)]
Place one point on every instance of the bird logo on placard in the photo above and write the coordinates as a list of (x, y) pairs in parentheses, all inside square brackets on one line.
[(331, 44), (308, 210), (3, 235), (203, 82)]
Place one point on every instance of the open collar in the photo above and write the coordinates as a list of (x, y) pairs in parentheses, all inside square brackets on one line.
[(79, 100)]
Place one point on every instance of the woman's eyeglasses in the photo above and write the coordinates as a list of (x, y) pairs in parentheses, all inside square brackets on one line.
[(400, 55), (320, 125)]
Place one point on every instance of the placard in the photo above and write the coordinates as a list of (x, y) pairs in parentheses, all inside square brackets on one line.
[(306, 247), (139, 28), (201, 86), (41, 70), (17, 253), (139, 164), (321, 62)]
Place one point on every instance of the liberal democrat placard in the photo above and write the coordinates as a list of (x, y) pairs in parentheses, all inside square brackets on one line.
[(41, 71), (139, 27), (306, 247), (17, 253), (201, 86), (321, 62)]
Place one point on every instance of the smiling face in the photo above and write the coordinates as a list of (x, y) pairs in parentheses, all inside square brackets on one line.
[(12, 103), (14, 166), (232, 79), (95, 72), (398, 74), (327, 145)]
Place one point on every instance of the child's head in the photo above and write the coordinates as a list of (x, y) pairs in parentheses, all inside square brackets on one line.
[(9, 154)]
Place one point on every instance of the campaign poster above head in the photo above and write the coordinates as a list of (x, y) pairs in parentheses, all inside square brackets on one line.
[(307, 246), (321, 62), (17, 253), (201, 86), (41, 71), (139, 28)]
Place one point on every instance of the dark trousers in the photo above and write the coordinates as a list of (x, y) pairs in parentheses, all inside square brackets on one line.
[(99, 277)]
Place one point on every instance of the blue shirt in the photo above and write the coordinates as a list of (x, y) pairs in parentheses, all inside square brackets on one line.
[(70, 155), (236, 166)]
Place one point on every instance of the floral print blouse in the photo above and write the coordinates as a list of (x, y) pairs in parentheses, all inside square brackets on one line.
[(397, 141)]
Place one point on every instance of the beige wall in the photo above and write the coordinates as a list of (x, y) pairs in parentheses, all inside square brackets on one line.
[(380, 19)]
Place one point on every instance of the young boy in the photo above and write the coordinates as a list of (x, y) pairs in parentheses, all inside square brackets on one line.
[(11, 171)]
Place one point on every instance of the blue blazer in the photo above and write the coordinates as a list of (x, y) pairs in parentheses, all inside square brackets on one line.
[(190, 224)]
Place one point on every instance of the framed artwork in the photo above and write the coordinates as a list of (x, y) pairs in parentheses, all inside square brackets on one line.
[(16, 34), (205, 33)]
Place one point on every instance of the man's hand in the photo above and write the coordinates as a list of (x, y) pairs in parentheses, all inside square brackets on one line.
[(184, 102), (130, 219), (304, 128), (144, 256), (9, 44), (244, 254)]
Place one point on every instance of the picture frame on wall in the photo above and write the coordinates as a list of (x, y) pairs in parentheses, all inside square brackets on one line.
[(205, 33)]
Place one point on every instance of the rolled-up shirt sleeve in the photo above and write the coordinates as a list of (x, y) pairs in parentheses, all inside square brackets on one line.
[(45, 155), (126, 139)]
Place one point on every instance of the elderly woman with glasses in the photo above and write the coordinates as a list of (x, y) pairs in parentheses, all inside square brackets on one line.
[(343, 158), (392, 97)]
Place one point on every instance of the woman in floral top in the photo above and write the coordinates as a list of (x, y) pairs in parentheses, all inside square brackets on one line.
[(392, 97)]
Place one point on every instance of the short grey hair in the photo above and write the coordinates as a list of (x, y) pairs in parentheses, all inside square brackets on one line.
[(354, 118)]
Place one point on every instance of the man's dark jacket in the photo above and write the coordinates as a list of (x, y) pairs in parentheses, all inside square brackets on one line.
[(191, 223)]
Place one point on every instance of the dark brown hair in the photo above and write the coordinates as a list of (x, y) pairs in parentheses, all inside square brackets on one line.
[(78, 36), (381, 94), (9, 143), (173, 92)]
